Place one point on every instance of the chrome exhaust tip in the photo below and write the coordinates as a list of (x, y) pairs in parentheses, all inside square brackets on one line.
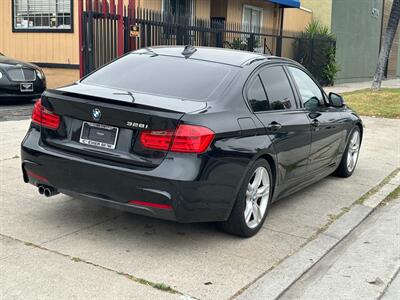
[(41, 189), (47, 191)]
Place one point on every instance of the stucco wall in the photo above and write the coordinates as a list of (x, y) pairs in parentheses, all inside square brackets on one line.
[(149, 4), (322, 10), (296, 20), (358, 36), (202, 9)]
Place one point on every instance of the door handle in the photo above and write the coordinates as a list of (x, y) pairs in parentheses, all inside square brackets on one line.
[(274, 126), (315, 123)]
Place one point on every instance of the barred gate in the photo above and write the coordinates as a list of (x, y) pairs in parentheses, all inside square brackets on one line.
[(98, 34)]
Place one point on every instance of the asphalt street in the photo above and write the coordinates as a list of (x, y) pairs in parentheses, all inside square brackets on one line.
[(14, 111)]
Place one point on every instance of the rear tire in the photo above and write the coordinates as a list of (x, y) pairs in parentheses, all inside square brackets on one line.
[(350, 155), (251, 206)]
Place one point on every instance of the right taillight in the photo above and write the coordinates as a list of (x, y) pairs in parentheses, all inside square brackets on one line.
[(186, 139), (44, 117)]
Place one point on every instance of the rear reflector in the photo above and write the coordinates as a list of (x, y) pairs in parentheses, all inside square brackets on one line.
[(43, 117), (151, 204), (36, 176), (186, 139)]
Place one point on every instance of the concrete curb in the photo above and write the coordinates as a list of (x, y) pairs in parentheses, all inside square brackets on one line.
[(273, 284)]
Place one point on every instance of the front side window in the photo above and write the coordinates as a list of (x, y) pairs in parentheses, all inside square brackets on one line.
[(310, 93), (279, 91), (43, 15)]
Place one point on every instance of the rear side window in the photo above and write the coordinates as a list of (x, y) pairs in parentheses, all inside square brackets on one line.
[(162, 75), (256, 96), (279, 91)]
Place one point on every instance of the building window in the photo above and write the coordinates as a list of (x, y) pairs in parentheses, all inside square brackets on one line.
[(178, 8), (252, 18), (43, 15)]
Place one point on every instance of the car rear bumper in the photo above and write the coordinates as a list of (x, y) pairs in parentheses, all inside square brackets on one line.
[(191, 189), (19, 96)]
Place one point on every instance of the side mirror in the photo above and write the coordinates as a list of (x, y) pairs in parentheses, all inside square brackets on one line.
[(336, 100)]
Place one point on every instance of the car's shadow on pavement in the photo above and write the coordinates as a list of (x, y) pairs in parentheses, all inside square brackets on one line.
[(108, 223), (293, 215)]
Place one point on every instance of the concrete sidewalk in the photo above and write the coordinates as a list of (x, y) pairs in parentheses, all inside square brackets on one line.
[(65, 248), (362, 266), (355, 86)]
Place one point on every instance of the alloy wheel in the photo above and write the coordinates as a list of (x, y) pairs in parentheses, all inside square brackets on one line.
[(353, 150), (257, 196)]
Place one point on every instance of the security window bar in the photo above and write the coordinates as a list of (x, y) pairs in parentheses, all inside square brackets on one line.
[(42, 15)]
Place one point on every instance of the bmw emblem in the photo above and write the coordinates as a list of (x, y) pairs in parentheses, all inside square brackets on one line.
[(96, 114)]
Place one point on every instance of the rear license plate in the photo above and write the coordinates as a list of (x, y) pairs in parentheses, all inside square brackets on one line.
[(99, 135), (26, 87)]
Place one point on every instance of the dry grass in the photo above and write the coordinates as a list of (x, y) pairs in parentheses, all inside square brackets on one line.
[(383, 104)]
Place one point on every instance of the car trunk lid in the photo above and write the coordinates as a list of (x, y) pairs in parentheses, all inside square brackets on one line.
[(104, 124)]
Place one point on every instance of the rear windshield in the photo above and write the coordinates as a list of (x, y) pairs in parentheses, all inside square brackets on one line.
[(161, 75)]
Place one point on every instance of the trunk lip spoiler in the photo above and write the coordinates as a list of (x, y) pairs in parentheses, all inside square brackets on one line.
[(122, 97)]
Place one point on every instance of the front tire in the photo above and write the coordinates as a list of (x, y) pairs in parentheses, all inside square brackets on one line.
[(251, 206), (350, 156)]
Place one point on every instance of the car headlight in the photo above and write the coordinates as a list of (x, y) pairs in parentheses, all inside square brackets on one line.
[(40, 74), (1, 75)]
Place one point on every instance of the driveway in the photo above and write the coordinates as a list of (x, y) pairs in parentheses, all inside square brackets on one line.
[(61, 247)]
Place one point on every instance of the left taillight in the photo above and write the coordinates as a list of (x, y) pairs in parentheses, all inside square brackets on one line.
[(44, 117)]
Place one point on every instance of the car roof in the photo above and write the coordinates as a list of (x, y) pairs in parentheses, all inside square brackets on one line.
[(217, 55)]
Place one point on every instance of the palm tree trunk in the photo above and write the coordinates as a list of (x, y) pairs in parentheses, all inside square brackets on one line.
[(387, 44)]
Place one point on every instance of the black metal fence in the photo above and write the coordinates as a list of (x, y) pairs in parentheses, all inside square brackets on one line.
[(145, 28), (99, 39), (106, 34)]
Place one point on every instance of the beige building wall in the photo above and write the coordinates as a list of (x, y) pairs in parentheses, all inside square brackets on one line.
[(294, 21), (53, 47), (322, 10), (203, 9), (149, 4)]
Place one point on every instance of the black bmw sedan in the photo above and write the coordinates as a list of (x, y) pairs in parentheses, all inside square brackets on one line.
[(191, 135), (20, 80)]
